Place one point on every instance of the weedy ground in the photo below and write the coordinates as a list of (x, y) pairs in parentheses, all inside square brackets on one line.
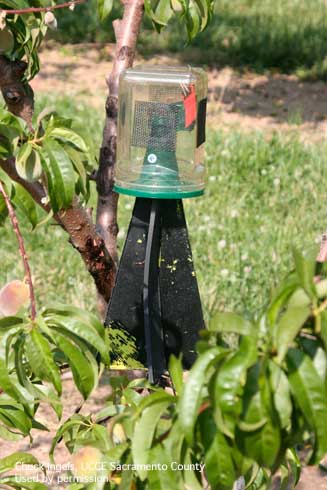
[(264, 193), (283, 35), (266, 153), (266, 158)]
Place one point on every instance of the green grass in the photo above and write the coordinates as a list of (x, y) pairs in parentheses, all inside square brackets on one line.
[(284, 35), (263, 195)]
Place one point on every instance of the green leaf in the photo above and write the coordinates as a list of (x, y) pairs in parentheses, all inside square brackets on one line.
[(74, 421), (41, 359), (310, 394), (231, 379), (8, 384), (230, 323), (143, 435), (61, 173), (161, 14), (193, 18), (203, 6), (190, 400), (80, 366), (262, 441), (281, 296), (19, 484), (3, 210), (85, 331), (28, 163), (48, 395), (219, 463), (104, 9), (56, 121), (262, 480), (294, 469), (320, 363), (23, 153), (39, 392), (288, 327), (131, 397), (317, 355), (67, 135), (159, 396), (76, 158), (14, 122), (45, 114), (166, 479), (9, 322), (174, 442), (219, 469), (9, 138), (305, 265), (10, 435), (77, 313), (299, 299), (23, 201), (127, 476), (8, 463), (281, 393), (13, 416), (115, 454), (176, 373), (192, 479), (6, 180)]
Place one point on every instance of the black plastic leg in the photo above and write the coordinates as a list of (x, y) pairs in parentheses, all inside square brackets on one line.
[(155, 304), (154, 341), (181, 310)]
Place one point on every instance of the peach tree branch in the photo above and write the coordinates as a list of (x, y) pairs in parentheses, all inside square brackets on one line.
[(22, 251), (77, 222), (42, 9)]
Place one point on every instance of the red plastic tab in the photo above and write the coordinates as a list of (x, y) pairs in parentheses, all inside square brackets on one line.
[(190, 107)]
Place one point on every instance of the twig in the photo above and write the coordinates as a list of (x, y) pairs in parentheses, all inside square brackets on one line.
[(42, 9), (35, 189), (28, 276)]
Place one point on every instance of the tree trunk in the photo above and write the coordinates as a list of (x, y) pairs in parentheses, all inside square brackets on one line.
[(126, 32)]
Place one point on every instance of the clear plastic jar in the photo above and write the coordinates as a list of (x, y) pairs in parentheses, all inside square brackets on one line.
[(161, 132)]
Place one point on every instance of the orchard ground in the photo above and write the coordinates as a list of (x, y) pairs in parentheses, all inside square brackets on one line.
[(267, 175), (267, 168)]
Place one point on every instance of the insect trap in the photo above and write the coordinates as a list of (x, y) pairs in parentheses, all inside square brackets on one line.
[(160, 151)]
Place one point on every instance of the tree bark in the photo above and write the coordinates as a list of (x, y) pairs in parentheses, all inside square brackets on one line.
[(97, 245), (18, 95), (77, 222), (126, 32)]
